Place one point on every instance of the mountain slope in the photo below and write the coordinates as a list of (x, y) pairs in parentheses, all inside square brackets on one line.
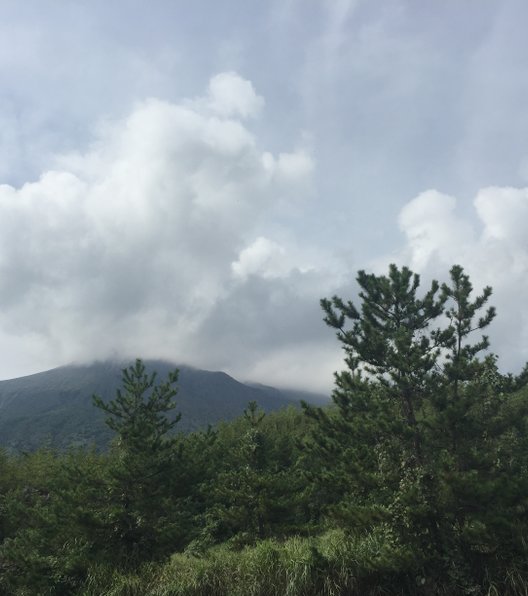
[(55, 406)]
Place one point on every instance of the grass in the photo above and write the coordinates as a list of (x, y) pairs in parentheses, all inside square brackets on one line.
[(329, 565), (332, 564)]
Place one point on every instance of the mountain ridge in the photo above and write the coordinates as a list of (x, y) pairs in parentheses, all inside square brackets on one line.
[(55, 407)]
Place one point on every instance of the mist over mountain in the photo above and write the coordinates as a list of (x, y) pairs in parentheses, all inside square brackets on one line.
[(55, 407)]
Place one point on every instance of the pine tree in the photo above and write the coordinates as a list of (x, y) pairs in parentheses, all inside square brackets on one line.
[(462, 363), (477, 440), (375, 435), (256, 497), (142, 518), (390, 340), (425, 438), (138, 414)]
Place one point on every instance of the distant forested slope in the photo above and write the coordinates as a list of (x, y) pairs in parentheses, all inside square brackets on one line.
[(55, 407)]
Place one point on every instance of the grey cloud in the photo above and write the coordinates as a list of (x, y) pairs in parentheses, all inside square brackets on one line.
[(272, 329), (129, 246)]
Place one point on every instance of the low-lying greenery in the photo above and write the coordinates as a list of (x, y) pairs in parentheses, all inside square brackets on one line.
[(331, 564)]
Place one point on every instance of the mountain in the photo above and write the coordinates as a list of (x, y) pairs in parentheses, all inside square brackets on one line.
[(55, 407)]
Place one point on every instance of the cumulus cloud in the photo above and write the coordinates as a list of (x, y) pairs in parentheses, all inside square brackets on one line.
[(491, 244), (164, 239), (189, 219), (230, 95), (430, 223), (263, 257), (151, 243)]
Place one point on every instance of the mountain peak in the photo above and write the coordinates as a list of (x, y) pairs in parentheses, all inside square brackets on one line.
[(55, 406)]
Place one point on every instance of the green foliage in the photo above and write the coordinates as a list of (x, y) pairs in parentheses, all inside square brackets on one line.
[(138, 414), (423, 431), (140, 514), (43, 547), (257, 494), (330, 565), (462, 364)]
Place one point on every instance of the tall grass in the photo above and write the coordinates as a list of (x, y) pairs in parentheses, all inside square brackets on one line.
[(332, 564)]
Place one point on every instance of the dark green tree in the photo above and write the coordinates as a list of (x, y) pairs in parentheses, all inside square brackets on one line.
[(257, 495), (465, 376), (462, 361), (477, 440), (423, 434), (143, 517), (45, 550), (138, 414), (390, 339)]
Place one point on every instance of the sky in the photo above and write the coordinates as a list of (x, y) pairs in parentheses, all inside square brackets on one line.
[(186, 180)]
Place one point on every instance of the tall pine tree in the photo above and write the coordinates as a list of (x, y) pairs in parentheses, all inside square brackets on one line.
[(142, 518), (422, 436)]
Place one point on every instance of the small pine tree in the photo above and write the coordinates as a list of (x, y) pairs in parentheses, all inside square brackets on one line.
[(141, 520), (462, 362), (138, 414), (257, 497)]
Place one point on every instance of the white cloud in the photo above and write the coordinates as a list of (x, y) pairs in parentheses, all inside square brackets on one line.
[(263, 257), (164, 240), (310, 365), (504, 213), (431, 224), (230, 95), (493, 249), (129, 247), (295, 166)]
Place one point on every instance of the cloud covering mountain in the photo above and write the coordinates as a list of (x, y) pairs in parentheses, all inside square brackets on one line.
[(153, 240)]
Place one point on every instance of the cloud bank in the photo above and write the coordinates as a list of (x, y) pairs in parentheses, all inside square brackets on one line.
[(155, 242), (172, 237)]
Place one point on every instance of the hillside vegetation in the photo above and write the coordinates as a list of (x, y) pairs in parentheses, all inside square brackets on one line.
[(413, 481), (55, 408)]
